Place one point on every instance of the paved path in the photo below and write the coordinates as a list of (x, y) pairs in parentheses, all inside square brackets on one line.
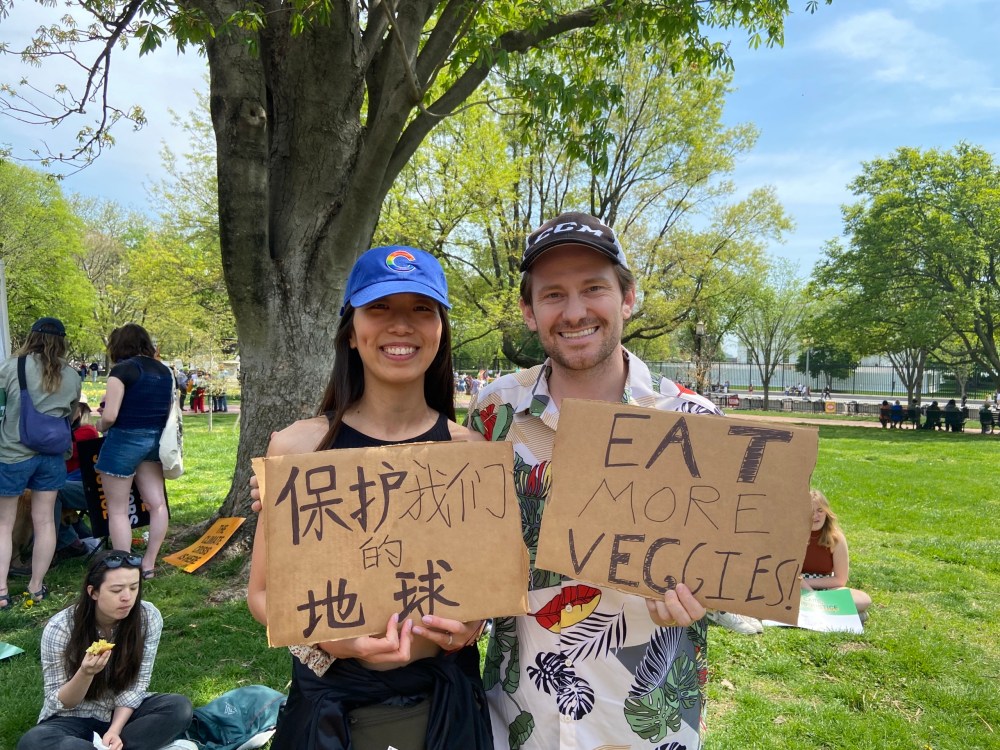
[(778, 417), (462, 401)]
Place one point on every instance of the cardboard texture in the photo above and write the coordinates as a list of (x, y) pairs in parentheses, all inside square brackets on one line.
[(355, 535), (643, 499)]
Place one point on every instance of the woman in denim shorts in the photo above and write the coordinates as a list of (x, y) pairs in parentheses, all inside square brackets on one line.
[(136, 405), (54, 388)]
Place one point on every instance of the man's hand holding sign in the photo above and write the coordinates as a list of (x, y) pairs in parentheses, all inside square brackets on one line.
[(416, 533), (643, 500)]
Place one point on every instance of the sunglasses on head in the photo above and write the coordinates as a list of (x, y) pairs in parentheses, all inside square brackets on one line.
[(117, 559)]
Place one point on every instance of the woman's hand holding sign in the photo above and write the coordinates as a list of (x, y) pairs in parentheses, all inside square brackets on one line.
[(450, 635), (391, 650), (678, 608)]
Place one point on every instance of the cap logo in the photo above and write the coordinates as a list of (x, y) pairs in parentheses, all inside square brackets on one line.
[(401, 261), (569, 226)]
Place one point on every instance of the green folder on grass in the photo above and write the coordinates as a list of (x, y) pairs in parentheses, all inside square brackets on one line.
[(7, 651)]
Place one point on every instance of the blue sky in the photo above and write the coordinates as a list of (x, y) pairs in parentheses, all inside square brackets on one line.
[(853, 82)]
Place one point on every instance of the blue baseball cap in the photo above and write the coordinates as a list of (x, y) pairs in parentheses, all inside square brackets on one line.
[(394, 270)]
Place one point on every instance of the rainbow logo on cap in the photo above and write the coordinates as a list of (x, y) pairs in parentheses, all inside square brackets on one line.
[(400, 260)]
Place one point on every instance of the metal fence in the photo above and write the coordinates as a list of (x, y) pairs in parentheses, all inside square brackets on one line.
[(871, 380)]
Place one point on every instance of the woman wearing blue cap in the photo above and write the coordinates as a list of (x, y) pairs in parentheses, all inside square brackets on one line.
[(416, 686), (39, 371)]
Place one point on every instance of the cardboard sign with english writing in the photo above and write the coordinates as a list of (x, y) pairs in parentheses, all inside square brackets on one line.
[(644, 499), (355, 535)]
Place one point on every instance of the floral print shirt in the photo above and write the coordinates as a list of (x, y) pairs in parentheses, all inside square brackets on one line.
[(587, 668)]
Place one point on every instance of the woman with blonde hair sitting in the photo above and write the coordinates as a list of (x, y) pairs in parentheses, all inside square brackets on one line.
[(827, 561)]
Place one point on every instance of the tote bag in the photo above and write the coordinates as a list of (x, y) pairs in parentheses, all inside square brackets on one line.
[(42, 433), (172, 441)]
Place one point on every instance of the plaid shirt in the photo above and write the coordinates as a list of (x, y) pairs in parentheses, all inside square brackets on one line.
[(597, 673), (55, 639)]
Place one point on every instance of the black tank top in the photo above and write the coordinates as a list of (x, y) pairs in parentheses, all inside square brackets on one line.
[(348, 437)]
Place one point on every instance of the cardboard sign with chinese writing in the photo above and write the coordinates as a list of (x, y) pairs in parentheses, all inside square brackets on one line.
[(191, 558), (356, 535), (644, 499)]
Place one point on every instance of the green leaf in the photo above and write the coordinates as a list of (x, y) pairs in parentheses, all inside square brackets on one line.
[(653, 715), (520, 730)]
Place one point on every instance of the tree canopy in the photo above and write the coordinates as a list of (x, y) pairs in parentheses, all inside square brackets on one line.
[(318, 107), (40, 242), (920, 268)]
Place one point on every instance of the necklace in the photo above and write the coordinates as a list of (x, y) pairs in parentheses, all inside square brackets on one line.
[(107, 633)]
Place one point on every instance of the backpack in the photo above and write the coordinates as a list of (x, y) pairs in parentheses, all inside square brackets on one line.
[(42, 433), (241, 719)]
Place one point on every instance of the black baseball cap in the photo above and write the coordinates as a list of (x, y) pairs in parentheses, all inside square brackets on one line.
[(51, 326), (573, 228)]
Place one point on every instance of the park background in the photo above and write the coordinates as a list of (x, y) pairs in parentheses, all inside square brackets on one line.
[(833, 209), (918, 508)]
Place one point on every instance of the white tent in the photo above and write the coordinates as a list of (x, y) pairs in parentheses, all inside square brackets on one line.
[(4, 320)]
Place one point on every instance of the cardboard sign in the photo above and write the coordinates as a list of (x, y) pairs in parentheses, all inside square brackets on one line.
[(828, 611), (644, 499), (93, 491), (356, 535), (191, 558)]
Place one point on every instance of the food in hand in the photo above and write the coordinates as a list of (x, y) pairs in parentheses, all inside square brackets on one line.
[(99, 647)]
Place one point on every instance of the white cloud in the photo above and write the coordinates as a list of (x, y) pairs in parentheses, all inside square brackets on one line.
[(806, 177), (157, 82), (924, 6), (895, 50)]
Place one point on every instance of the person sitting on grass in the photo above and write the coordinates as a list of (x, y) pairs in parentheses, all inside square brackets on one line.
[(827, 562), (97, 660)]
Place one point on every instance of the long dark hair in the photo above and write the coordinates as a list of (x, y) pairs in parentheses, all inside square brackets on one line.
[(51, 351), (347, 380), (130, 640)]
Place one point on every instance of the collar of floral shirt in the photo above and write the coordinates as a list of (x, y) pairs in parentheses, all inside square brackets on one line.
[(538, 400)]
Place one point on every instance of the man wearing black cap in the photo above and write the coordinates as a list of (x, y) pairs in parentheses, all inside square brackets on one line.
[(558, 687)]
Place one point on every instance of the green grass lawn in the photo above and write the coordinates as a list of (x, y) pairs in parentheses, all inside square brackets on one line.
[(920, 510)]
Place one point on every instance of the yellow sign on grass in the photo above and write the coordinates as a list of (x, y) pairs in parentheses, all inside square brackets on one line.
[(199, 553)]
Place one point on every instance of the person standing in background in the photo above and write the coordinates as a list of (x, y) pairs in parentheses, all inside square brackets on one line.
[(54, 389), (138, 400)]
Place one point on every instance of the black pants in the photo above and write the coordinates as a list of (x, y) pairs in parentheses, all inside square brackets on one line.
[(161, 719)]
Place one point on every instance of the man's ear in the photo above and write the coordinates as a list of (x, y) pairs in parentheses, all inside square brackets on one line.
[(529, 315), (628, 303)]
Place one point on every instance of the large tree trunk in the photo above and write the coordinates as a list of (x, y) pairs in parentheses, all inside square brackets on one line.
[(295, 212), (311, 131), (909, 366)]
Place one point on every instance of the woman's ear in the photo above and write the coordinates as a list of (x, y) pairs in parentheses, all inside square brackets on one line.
[(92, 592)]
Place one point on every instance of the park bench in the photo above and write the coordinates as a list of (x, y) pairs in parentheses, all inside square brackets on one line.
[(955, 420)]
